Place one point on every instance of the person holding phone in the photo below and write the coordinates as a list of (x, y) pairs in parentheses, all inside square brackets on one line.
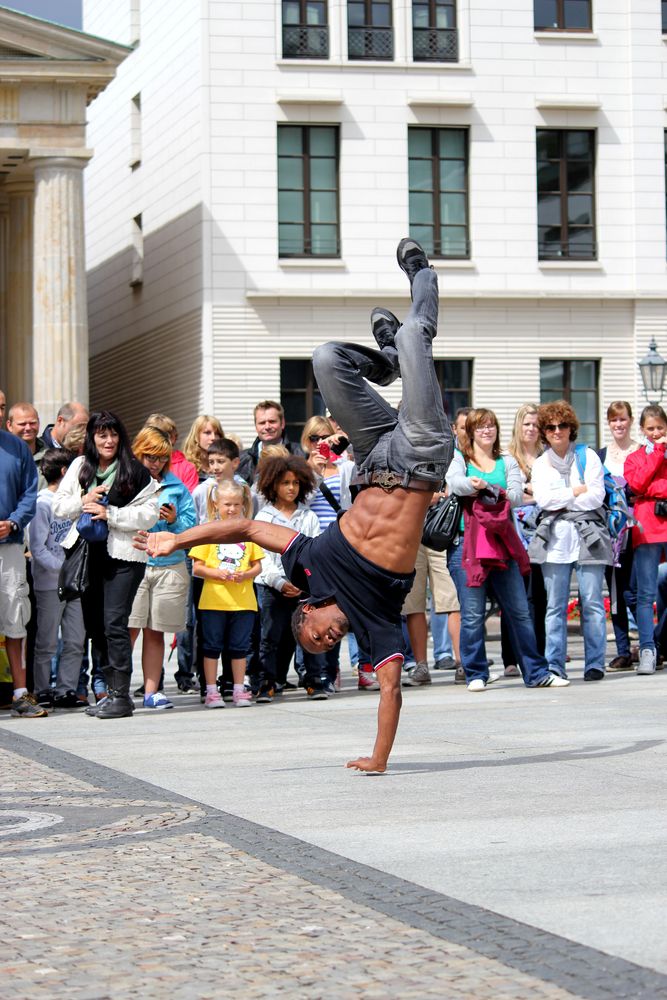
[(357, 573), (160, 603)]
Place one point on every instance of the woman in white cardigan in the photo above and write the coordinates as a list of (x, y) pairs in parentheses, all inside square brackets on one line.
[(109, 484)]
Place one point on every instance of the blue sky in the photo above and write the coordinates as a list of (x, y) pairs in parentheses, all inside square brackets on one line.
[(66, 12)]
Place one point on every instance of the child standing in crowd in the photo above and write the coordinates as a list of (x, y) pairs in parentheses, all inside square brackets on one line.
[(160, 602), (223, 461), (48, 555), (227, 605), (284, 482)]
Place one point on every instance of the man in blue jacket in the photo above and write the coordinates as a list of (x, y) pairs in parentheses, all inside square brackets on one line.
[(18, 497)]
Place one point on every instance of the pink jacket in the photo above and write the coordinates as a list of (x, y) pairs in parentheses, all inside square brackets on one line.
[(490, 540), (185, 470)]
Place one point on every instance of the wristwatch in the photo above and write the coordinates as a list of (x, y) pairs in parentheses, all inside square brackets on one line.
[(14, 525)]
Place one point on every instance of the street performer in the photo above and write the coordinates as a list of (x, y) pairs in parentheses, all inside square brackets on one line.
[(357, 573)]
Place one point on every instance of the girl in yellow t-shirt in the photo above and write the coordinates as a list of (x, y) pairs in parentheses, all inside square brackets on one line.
[(227, 605)]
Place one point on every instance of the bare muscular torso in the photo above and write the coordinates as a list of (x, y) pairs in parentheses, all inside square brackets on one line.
[(386, 526)]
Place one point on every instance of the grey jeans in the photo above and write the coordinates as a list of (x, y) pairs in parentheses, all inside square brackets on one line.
[(415, 441), (54, 614)]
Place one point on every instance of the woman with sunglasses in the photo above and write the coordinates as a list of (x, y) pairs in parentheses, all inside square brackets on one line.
[(568, 486)]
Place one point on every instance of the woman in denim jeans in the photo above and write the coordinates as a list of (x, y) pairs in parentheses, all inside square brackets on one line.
[(571, 501), (478, 465), (646, 473)]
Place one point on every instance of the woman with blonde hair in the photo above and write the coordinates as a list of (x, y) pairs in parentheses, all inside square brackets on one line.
[(178, 464), (160, 603), (204, 430), (526, 446)]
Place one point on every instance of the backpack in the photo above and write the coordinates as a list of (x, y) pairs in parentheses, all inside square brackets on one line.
[(615, 503)]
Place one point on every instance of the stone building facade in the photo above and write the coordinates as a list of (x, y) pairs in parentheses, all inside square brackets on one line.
[(48, 77)]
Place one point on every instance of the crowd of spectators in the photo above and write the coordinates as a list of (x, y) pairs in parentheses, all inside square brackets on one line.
[(534, 522)]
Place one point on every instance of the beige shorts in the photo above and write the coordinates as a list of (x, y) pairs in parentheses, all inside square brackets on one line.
[(14, 600), (431, 566), (161, 600)]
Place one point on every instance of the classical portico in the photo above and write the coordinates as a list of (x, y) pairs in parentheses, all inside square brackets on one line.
[(48, 76)]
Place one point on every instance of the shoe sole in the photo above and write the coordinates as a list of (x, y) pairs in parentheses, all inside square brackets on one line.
[(214, 706)]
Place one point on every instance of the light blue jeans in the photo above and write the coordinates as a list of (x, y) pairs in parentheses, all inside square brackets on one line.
[(647, 567), (590, 578)]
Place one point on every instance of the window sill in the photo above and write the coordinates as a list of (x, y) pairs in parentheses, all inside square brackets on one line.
[(570, 265), (442, 264), (401, 64), (307, 263), (566, 36)]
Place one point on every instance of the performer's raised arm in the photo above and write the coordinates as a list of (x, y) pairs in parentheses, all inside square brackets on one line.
[(269, 536)]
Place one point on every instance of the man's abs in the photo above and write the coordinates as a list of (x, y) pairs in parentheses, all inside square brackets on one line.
[(386, 526)]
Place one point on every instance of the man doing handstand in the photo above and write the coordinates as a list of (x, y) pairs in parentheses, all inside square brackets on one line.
[(359, 570)]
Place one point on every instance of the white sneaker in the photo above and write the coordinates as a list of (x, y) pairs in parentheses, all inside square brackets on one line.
[(646, 663), (493, 677), (554, 681), (477, 685)]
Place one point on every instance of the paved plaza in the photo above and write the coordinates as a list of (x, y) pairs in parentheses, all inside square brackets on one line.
[(516, 847)]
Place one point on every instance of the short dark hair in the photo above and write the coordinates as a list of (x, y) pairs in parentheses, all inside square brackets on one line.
[(653, 410), (223, 446), (269, 404), (54, 460), (272, 471), (298, 619)]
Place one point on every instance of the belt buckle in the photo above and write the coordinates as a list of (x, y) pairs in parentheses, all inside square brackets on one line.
[(387, 479)]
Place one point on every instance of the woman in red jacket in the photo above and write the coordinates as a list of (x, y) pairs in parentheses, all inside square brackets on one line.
[(646, 473)]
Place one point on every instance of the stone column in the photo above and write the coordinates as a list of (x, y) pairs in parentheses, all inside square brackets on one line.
[(4, 263), (60, 319), (18, 344)]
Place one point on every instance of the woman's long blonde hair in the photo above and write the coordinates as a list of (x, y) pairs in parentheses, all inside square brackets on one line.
[(192, 449), (516, 447)]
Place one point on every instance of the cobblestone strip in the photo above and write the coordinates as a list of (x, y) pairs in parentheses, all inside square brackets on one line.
[(395, 921)]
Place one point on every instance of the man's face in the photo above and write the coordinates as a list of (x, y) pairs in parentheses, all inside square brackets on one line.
[(62, 426), (269, 425), (323, 627), (3, 405), (24, 422)]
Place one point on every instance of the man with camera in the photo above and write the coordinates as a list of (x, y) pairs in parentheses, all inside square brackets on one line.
[(358, 572)]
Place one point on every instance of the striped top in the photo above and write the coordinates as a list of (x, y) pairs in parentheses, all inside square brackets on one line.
[(321, 506)]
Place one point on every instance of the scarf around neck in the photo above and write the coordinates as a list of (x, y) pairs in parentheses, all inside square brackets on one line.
[(107, 477), (563, 466)]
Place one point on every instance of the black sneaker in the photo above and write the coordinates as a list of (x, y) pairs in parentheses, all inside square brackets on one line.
[(288, 686), (316, 693), (140, 691), (27, 708), (384, 326), (68, 700), (264, 695), (44, 698), (328, 686), (411, 258)]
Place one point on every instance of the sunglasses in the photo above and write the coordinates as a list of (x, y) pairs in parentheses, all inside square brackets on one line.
[(556, 427), (317, 437)]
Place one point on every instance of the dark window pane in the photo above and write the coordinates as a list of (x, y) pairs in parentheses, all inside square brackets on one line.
[(290, 240), (421, 208), (419, 142), (578, 144), (577, 13), (322, 142), (580, 209), (548, 177), (548, 144), (290, 206), (664, 16), (454, 241), (549, 210), (324, 240), (584, 374), (452, 175), (424, 235), (452, 142), (291, 12), (323, 174), (381, 14), (293, 374), (289, 140), (546, 14), (356, 15), (579, 175), (316, 13), (453, 209), (552, 375), (323, 206), (420, 175), (308, 191)]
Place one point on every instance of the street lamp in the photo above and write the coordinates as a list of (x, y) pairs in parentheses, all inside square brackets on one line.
[(653, 369)]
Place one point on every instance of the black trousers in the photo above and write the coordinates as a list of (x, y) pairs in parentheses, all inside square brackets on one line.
[(277, 644), (107, 603)]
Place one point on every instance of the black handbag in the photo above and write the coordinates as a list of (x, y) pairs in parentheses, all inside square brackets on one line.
[(73, 578), (441, 524)]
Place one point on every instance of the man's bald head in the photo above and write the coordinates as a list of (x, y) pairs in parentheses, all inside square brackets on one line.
[(70, 415)]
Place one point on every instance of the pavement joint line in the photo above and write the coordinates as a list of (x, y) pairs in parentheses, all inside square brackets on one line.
[(586, 972)]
